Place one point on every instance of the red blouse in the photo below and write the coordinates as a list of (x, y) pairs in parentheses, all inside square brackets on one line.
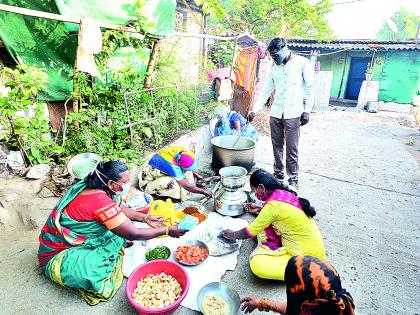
[(97, 206)]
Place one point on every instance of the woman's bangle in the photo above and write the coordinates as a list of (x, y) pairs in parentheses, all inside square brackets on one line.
[(266, 305), (263, 305), (147, 215), (166, 230)]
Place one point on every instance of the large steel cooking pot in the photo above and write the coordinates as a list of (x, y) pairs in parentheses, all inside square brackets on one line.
[(233, 177), (241, 155)]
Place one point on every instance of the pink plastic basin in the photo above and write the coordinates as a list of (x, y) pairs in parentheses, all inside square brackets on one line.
[(156, 267)]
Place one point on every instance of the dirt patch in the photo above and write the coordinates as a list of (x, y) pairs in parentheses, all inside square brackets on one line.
[(20, 207)]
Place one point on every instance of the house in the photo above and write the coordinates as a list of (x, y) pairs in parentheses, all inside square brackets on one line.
[(394, 65)]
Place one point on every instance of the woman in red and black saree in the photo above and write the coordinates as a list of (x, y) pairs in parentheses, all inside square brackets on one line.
[(81, 244), (313, 287)]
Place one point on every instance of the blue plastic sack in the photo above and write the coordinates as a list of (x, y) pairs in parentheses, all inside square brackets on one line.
[(188, 223)]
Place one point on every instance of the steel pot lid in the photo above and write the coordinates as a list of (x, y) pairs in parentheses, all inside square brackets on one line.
[(82, 164)]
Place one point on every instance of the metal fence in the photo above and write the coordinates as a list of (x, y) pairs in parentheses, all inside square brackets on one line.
[(166, 109)]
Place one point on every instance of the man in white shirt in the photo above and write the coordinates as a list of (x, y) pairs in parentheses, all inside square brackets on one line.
[(292, 79)]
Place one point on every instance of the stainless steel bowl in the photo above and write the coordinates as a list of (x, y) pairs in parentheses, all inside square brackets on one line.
[(195, 243), (82, 164), (224, 154), (229, 295), (233, 177)]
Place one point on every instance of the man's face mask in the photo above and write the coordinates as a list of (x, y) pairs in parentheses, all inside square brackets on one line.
[(279, 56)]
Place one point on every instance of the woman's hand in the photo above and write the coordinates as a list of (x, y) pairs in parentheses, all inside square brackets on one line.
[(249, 304), (175, 232), (211, 179), (252, 207), (156, 218), (198, 176), (229, 235), (207, 193)]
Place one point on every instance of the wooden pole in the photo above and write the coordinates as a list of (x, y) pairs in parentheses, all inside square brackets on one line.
[(76, 123), (233, 57), (224, 38), (151, 64), (193, 14)]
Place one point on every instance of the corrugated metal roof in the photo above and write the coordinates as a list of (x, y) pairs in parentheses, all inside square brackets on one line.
[(355, 44)]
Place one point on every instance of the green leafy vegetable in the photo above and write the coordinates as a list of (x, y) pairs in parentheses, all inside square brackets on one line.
[(160, 252)]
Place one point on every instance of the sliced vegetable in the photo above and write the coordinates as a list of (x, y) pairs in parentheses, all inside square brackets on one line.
[(190, 254), (160, 252)]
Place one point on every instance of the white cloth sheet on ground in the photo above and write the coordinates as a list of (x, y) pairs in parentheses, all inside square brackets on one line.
[(211, 270)]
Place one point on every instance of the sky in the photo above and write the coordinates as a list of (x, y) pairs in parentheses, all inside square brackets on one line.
[(361, 19)]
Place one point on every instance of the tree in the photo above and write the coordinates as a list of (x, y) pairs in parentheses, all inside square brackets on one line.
[(406, 23), (269, 18)]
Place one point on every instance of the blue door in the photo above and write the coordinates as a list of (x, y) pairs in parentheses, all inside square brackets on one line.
[(358, 66)]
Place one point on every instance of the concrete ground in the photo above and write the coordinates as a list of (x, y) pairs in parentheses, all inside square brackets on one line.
[(359, 173)]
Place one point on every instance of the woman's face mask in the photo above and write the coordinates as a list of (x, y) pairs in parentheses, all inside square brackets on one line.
[(125, 189), (280, 55), (261, 193)]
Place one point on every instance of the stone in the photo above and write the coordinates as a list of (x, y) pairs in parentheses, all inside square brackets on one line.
[(38, 171), (24, 171), (4, 152), (45, 193), (372, 107), (15, 160), (407, 121)]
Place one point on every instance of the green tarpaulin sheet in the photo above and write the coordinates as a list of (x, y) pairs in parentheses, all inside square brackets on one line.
[(160, 14), (42, 43), (52, 44)]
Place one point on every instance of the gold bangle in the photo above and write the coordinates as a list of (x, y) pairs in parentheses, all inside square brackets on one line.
[(266, 305), (166, 230), (147, 215)]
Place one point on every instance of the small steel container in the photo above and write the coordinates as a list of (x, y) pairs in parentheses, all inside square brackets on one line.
[(233, 177)]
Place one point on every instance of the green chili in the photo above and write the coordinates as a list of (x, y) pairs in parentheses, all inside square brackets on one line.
[(160, 252)]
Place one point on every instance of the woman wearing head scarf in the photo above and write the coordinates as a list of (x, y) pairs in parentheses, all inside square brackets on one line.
[(283, 228), (81, 244), (171, 173), (313, 287), (232, 123)]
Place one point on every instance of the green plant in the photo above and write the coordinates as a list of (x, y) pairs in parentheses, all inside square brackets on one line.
[(369, 69), (23, 124), (406, 23), (211, 7), (103, 111), (266, 19), (221, 53)]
